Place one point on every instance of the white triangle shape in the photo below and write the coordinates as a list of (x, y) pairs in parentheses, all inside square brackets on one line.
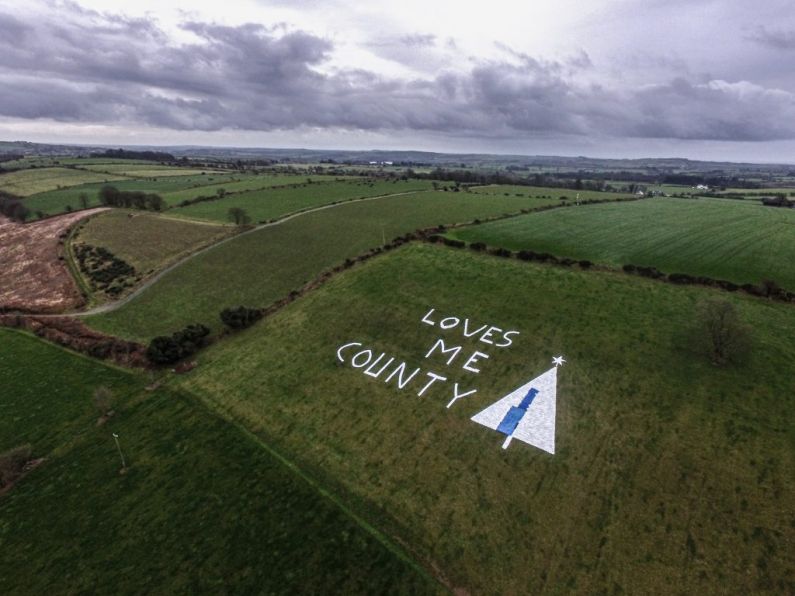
[(537, 426)]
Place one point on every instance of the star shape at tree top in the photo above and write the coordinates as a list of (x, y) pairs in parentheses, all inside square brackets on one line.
[(558, 361)]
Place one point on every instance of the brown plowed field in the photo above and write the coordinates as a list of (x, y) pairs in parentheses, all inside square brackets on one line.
[(32, 276)]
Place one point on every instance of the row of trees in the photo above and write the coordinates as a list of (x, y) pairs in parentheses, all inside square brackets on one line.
[(110, 196), (128, 154)]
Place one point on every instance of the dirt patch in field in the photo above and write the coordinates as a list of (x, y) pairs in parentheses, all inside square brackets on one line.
[(34, 276)]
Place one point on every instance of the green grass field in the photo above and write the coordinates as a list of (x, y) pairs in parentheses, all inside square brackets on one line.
[(147, 170), (202, 509), (28, 182), (146, 241), (261, 267), (668, 471), (733, 240), (172, 188), (56, 201), (244, 183), (267, 204)]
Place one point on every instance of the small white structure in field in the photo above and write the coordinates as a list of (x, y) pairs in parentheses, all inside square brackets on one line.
[(528, 412), (702, 187)]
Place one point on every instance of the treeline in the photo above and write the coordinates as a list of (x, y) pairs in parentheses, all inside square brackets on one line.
[(779, 200), (713, 180), (127, 154), (582, 180), (479, 178), (12, 207), (110, 196), (10, 157)]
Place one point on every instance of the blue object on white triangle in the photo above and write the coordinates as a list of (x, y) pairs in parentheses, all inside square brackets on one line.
[(527, 413)]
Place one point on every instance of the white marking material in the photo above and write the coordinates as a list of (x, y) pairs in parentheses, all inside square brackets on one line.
[(537, 426)]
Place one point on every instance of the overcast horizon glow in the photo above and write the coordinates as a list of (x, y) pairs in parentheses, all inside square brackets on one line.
[(702, 79)]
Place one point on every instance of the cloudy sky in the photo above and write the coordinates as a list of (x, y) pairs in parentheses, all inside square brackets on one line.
[(708, 79)]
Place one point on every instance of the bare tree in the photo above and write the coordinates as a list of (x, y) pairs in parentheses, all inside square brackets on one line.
[(104, 400), (720, 333)]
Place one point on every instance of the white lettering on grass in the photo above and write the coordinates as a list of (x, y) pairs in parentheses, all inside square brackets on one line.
[(434, 377), (341, 348), (473, 360), (444, 350), (399, 370), (457, 395)]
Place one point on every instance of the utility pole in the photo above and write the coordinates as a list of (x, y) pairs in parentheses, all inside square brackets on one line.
[(121, 455)]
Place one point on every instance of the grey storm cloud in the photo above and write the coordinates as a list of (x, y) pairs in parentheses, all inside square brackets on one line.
[(83, 66), (776, 39)]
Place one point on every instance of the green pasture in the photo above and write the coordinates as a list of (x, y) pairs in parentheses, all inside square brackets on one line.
[(36, 180), (668, 471), (147, 241), (202, 508), (245, 183), (58, 201), (146, 170), (266, 204), (261, 267), (735, 240)]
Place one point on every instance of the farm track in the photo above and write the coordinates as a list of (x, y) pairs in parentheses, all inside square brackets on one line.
[(112, 306)]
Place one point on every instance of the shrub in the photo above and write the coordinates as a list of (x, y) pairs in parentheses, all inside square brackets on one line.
[(240, 317), (478, 246), (585, 264), (526, 255), (651, 272), (681, 278), (185, 342), (501, 252), (453, 242)]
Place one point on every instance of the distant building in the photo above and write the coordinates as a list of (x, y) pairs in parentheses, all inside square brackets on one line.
[(702, 187)]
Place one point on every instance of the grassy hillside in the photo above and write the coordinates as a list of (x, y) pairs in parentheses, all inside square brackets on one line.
[(267, 204), (202, 509), (668, 471), (147, 170), (27, 182), (732, 240), (147, 241), (261, 267), (56, 201), (244, 183)]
